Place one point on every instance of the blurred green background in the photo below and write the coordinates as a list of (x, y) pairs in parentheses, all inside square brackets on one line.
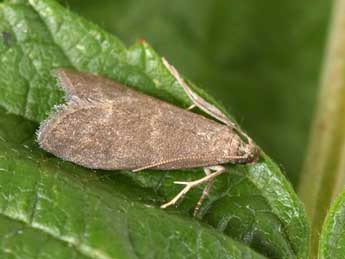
[(261, 59)]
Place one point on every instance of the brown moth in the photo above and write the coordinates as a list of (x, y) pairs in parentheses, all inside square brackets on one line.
[(106, 125)]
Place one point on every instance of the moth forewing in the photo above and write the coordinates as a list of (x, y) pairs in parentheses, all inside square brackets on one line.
[(106, 125)]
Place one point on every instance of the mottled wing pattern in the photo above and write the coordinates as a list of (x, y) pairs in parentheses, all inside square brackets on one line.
[(129, 130)]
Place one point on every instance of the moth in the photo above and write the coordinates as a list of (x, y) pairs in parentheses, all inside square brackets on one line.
[(106, 125)]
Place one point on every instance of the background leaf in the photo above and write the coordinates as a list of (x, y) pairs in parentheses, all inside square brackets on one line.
[(253, 204), (323, 176), (332, 240), (261, 59)]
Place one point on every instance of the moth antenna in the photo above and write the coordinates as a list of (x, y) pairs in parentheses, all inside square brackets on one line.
[(197, 100), (201, 103)]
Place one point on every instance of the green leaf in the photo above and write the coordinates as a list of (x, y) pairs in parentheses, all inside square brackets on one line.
[(332, 239), (99, 214)]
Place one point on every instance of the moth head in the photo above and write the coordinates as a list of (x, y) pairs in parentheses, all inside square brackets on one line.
[(249, 151)]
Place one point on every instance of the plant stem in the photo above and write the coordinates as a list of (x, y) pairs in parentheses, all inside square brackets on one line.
[(323, 176)]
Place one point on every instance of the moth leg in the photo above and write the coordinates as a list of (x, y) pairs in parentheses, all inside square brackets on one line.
[(192, 106), (189, 185), (201, 103), (205, 192)]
